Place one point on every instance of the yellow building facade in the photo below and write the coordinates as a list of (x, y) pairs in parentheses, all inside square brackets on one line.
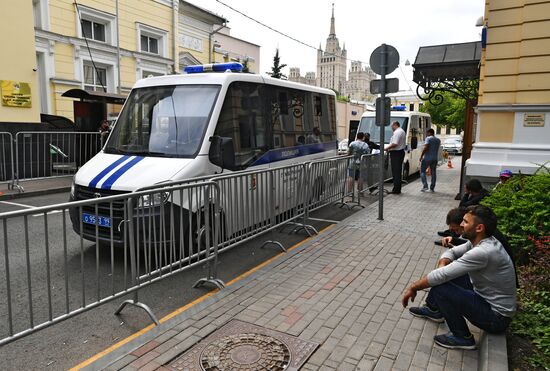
[(98, 45), (18, 75), (513, 129)]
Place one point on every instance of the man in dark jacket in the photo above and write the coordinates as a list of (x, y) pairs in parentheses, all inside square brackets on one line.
[(371, 144), (473, 193)]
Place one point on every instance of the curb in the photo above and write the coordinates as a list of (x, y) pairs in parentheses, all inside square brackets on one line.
[(492, 354), (13, 196)]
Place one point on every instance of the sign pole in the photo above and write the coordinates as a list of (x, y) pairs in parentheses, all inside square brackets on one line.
[(382, 132)]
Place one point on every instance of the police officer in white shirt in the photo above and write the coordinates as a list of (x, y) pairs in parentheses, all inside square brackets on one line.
[(396, 148)]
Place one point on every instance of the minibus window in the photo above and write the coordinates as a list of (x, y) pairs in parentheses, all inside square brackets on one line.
[(368, 125), (167, 121)]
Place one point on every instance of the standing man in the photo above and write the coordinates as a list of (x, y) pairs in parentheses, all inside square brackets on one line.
[(396, 148), (474, 281), (357, 148), (428, 158)]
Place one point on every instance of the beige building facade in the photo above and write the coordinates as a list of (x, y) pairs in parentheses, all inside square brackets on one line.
[(295, 75), (103, 46), (513, 130), (19, 94), (357, 86)]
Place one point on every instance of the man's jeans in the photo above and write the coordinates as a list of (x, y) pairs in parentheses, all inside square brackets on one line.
[(433, 167), (457, 300)]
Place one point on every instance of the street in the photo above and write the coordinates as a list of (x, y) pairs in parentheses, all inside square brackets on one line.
[(74, 340)]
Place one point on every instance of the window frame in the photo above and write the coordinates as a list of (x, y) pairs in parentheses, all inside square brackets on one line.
[(99, 17), (95, 84), (152, 33)]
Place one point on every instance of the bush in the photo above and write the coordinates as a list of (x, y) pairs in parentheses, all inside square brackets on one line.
[(522, 206)]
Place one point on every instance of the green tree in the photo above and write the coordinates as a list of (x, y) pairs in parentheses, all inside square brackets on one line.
[(276, 70), (449, 113)]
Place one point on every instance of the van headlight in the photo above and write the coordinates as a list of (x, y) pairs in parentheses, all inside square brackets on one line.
[(73, 186), (155, 199)]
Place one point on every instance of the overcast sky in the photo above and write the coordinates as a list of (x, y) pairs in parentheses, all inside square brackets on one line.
[(361, 24)]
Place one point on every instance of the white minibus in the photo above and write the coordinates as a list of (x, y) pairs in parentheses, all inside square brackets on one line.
[(415, 125), (178, 127)]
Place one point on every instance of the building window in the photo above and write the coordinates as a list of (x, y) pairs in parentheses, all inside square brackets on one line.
[(149, 44), (447, 130), (93, 30), (411, 106), (152, 40), (96, 25), (94, 78), (438, 130), (40, 12)]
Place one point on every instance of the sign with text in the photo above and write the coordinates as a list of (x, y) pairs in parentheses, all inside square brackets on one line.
[(15, 94), (534, 120)]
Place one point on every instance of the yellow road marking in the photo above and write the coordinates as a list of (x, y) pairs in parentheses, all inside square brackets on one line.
[(187, 306)]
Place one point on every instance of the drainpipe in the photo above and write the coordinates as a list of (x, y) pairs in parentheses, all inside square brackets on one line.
[(210, 51), (175, 18), (118, 48)]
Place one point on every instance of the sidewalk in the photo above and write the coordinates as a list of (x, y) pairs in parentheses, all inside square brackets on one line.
[(341, 290), (37, 187)]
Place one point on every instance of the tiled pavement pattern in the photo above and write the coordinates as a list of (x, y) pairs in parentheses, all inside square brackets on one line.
[(342, 289)]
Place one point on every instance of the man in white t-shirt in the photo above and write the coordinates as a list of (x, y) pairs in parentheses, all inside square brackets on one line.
[(396, 148)]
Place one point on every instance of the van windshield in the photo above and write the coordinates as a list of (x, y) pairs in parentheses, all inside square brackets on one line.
[(166, 121), (369, 125)]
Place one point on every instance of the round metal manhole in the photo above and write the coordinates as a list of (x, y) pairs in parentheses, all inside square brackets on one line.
[(245, 352)]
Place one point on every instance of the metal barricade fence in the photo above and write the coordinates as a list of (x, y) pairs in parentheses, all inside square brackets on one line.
[(42, 154), (6, 159), (328, 182), (49, 274), (144, 236)]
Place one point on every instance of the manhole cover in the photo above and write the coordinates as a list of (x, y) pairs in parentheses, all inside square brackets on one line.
[(243, 346)]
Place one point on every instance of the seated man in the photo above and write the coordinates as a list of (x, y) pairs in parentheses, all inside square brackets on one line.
[(473, 193), (454, 219), (473, 281)]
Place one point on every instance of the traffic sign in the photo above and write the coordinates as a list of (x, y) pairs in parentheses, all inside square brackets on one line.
[(392, 59), (383, 117), (392, 86)]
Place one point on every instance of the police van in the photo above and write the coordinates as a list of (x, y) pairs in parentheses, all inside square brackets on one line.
[(173, 128), (415, 124)]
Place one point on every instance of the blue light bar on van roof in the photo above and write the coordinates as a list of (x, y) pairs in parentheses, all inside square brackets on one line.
[(398, 108), (216, 67)]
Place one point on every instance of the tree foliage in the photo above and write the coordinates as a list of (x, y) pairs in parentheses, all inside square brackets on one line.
[(451, 112), (277, 68)]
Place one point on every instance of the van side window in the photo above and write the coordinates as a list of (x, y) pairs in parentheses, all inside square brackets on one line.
[(242, 119)]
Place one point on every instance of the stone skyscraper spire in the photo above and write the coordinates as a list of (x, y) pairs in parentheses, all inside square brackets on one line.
[(332, 27)]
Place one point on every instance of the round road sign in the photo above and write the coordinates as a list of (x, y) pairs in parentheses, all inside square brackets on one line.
[(392, 59)]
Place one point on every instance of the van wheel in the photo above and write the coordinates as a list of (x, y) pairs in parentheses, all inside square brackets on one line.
[(406, 171)]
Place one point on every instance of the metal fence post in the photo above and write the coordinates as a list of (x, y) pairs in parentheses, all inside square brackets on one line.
[(133, 268)]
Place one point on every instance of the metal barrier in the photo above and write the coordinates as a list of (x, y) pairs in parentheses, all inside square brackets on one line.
[(42, 154), (6, 159), (51, 274), (155, 232)]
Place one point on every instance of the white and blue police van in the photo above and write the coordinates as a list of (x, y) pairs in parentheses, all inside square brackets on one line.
[(176, 127), (415, 124)]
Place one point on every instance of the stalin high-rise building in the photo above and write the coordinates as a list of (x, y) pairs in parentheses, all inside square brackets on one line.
[(331, 64)]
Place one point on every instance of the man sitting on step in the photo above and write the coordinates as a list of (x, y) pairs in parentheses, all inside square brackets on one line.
[(473, 281)]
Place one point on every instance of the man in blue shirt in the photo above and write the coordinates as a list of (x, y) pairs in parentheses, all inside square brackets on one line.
[(357, 148), (428, 158)]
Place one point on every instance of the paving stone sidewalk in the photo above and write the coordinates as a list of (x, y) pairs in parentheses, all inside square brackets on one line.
[(341, 289)]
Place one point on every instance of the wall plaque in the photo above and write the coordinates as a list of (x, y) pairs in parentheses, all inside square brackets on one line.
[(15, 94)]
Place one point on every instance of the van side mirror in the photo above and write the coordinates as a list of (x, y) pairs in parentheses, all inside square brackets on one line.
[(414, 142), (222, 153)]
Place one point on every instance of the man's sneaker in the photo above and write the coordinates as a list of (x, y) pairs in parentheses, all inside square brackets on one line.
[(451, 341), (438, 242), (425, 312), (424, 190), (432, 190)]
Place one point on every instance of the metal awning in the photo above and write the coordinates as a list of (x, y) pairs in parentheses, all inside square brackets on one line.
[(95, 96), (449, 62), (451, 67)]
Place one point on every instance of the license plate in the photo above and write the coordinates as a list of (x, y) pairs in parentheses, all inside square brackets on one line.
[(99, 220)]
